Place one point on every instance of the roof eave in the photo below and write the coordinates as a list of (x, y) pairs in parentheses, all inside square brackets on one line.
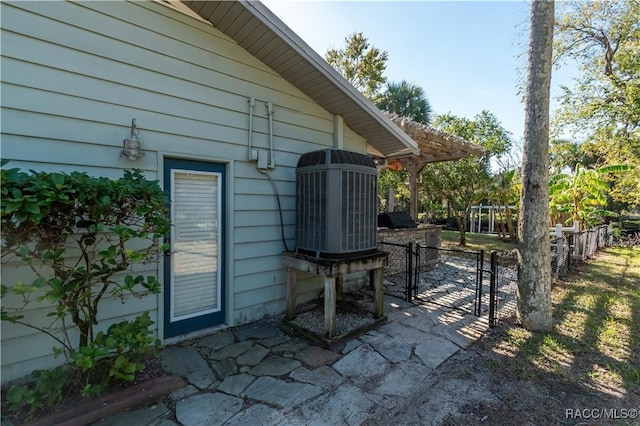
[(378, 130)]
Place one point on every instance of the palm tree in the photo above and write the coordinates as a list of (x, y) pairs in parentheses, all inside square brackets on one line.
[(407, 100), (582, 194), (534, 258)]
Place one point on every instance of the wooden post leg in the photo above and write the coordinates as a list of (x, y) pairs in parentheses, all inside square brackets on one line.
[(378, 306), (329, 307), (291, 294), (339, 287)]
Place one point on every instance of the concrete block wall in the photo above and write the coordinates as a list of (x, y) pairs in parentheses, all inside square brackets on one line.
[(425, 235)]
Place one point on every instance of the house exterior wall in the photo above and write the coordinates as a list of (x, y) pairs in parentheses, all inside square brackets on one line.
[(73, 77)]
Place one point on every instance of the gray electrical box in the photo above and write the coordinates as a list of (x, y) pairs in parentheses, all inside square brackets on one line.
[(336, 204)]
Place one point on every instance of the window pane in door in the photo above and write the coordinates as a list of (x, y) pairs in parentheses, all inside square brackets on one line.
[(195, 243)]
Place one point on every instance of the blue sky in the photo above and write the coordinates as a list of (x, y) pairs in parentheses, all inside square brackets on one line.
[(465, 55)]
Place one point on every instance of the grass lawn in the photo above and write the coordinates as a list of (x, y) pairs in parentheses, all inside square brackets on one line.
[(486, 242), (595, 343)]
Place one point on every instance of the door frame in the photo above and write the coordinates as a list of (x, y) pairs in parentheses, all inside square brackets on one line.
[(227, 264)]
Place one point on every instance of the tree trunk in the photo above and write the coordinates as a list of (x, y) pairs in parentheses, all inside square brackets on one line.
[(463, 235), (391, 203), (534, 260), (462, 228), (513, 235), (504, 229)]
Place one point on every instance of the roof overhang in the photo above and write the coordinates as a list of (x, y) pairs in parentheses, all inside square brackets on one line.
[(254, 27)]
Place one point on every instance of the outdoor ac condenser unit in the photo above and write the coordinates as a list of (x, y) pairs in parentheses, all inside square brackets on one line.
[(336, 204)]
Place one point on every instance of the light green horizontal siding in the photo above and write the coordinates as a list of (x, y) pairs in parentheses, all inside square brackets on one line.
[(353, 141), (264, 233), (19, 341), (73, 77), (249, 219)]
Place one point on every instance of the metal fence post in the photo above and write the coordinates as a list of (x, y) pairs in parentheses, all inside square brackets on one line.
[(492, 289), (479, 276), (416, 271), (409, 271)]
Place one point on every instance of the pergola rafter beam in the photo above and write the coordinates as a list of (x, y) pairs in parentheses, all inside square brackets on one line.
[(435, 146)]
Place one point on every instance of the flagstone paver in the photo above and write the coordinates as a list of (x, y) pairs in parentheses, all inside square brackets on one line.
[(373, 336), (350, 345), (232, 351), (275, 366), (403, 379), (280, 393), (224, 368), (403, 334), (435, 350), (209, 409), (393, 351), (253, 356), (183, 392), (187, 363), (348, 405), (325, 377), (293, 345), (315, 356), (258, 414), (235, 385), (259, 375), (273, 341), (217, 341), (361, 363)]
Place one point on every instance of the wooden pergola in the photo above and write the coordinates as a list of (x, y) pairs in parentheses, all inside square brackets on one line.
[(435, 146)]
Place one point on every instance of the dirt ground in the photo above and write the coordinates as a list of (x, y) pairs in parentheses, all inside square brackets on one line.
[(470, 388)]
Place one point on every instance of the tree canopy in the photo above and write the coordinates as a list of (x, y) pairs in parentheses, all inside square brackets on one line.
[(603, 106), (361, 64), (582, 194), (465, 182)]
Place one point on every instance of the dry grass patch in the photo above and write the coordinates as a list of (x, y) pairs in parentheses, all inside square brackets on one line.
[(595, 342), (486, 242)]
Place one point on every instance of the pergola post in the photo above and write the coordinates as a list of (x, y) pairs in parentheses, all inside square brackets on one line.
[(413, 168), (413, 191), (435, 146)]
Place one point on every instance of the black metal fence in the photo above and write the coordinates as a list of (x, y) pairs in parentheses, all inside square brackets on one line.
[(449, 277), (461, 279), (454, 278), (567, 250), (400, 272), (503, 272)]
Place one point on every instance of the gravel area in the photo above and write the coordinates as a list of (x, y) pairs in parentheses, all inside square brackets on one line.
[(346, 320)]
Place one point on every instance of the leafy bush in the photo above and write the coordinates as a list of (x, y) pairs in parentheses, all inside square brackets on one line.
[(47, 389), (80, 235)]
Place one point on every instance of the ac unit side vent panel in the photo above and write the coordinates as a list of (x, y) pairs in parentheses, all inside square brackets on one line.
[(336, 203)]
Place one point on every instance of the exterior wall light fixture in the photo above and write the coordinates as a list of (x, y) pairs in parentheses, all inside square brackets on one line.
[(131, 146)]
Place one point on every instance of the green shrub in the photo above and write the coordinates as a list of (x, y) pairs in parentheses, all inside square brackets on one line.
[(79, 235)]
